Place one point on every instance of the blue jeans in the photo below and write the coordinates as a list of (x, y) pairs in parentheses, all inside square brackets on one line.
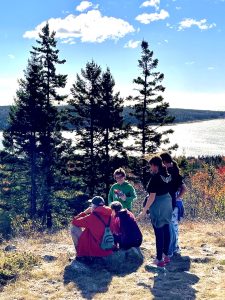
[(174, 247)]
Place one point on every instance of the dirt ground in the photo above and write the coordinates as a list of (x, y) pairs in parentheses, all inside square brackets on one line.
[(198, 273)]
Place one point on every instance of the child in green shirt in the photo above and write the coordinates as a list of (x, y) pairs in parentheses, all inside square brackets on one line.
[(122, 190)]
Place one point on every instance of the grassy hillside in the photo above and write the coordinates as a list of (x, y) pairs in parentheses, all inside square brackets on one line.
[(181, 115), (199, 273)]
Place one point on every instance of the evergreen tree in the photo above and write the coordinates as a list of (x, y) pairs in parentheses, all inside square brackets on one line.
[(96, 113), (51, 141), (112, 125), (21, 138), (150, 109), (34, 131), (85, 111)]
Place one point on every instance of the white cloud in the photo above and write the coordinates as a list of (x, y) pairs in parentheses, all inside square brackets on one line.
[(89, 27), (132, 44), (202, 24), (153, 3), (211, 68), (69, 41), (148, 18), (84, 5), (11, 56)]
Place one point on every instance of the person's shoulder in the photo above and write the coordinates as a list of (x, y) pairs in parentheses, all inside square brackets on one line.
[(127, 183), (114, 185)]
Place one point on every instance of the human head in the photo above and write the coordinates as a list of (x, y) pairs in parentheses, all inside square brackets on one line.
[(156, 164), (119, 175), (116, 206), (169, 162), (166, 158), (96, 201)]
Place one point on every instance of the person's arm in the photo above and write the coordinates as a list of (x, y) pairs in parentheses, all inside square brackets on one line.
[(110, 196), (182, 191), (132, 195), (81, 220), (150, 200)]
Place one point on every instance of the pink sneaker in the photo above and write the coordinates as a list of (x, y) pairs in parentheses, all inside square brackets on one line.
[(159, 263), (166, 259)]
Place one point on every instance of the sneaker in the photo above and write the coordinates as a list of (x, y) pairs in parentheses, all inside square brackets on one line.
[(166, 259), (159, 263)]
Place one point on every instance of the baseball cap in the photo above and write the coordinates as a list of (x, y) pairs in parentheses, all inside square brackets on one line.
[(97, 200)]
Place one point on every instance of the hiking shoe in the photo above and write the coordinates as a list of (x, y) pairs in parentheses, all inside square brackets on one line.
[(159, 263), (166, 259)]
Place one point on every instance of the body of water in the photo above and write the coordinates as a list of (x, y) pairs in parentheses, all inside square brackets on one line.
[(194, 139)]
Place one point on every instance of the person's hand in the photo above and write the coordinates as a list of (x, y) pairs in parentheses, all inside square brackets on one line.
[(123, 197), (141, 216)]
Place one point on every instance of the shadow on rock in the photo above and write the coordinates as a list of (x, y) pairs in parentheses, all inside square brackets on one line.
[(124, 262), (93, 276), (174, 281)]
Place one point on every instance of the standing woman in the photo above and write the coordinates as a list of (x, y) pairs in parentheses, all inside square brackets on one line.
[(159, 204), (177, 190)]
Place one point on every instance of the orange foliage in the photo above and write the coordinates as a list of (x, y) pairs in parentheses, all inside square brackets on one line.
[(209, 187)]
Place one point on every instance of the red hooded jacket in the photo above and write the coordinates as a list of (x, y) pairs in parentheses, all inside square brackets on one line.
[(90, 239)]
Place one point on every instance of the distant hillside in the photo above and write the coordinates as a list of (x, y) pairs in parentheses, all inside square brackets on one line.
[(189, 115), (181, 115)]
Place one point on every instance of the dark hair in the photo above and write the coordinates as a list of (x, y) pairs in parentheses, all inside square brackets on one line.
[(157, 161), (119, 171), (166, 157), (116, 205)]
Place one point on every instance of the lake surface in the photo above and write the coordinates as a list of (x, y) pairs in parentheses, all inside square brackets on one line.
[(194, 139)]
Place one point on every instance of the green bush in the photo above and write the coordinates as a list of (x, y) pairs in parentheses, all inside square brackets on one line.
[(13, 264)]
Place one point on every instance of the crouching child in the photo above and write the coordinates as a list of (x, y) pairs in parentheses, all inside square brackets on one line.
[(124, 227), (87, 229)]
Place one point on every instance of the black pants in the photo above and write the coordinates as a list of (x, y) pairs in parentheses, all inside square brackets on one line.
[(162, 236)]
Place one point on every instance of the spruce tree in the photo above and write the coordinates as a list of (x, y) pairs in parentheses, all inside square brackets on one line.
[(96, 113), (51, 139), (112, 125), (150, 109), (35, 126), (21, 138), (85, 111)]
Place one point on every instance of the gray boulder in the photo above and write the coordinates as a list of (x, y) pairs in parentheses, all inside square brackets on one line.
[(124, 261)]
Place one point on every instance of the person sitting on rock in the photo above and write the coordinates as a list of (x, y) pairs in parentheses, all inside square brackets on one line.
[(124, 227), (87, 229)]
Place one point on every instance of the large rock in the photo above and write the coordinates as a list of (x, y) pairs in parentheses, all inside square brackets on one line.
[(124, 261)]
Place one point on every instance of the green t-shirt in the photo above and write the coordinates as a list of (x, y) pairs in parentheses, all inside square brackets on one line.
[(125, 188)]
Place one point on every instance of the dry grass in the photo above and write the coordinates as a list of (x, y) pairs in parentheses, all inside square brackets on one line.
[(198, 274)]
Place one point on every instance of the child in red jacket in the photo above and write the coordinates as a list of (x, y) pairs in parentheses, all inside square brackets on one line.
[(87, 230)]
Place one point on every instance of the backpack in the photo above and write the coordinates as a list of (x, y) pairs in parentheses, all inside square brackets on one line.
[(107, 241)]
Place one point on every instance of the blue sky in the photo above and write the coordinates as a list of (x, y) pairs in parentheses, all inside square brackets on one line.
[(187, 36)]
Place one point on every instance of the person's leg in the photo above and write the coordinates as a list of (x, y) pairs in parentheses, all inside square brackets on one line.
[(172, 234), (159, 242), (166, 238), (176, 231), (75, 234)]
